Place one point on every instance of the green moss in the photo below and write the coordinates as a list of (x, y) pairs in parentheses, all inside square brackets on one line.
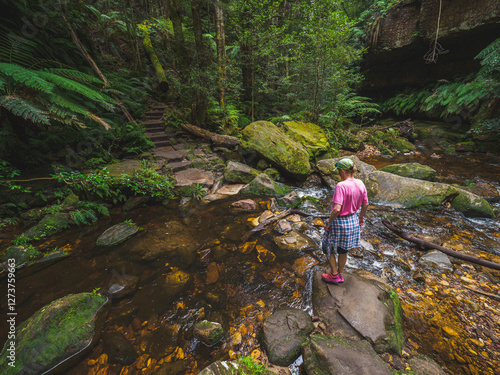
[(396, 334), (472, 205), (48, 226), (53, 333)]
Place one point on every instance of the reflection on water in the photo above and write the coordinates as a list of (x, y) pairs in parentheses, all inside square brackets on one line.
[(229, 283)]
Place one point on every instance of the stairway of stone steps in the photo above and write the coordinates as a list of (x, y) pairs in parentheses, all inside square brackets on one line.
[(155, 128)]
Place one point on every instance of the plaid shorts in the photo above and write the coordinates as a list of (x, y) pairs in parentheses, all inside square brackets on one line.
[(343, 232)]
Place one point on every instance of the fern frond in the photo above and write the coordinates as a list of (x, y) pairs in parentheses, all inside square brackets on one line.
[(23, 108), (70, 85), (26, 77), (75, 75)]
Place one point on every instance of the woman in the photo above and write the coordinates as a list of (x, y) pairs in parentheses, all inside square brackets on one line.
[(343, 228)]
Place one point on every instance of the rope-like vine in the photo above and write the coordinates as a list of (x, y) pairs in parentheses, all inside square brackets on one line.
[(436, 49)]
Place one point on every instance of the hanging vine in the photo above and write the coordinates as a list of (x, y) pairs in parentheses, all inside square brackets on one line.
[(436, 49)]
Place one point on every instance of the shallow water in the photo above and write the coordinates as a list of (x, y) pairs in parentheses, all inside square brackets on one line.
[(247, 290)]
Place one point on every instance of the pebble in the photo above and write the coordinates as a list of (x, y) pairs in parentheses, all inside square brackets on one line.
[(450, 331)]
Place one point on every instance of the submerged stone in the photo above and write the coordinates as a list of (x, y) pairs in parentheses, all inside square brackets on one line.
[(119, 349), (54, 334), (207, 332), (117, 233), (435, 260)]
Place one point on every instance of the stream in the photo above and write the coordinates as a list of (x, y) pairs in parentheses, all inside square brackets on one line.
[(450, 316)]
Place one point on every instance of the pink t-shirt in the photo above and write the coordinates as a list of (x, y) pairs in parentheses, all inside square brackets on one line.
[(350, 194)]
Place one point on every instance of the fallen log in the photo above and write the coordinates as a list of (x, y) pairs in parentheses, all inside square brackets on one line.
[(218, 140), (426, 245)]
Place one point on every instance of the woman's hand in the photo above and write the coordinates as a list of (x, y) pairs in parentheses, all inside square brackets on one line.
[(361, 221), (326, 226)]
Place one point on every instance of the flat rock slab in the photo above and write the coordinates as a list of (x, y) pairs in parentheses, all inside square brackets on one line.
[(178, 165), (355, 310), (194, 176), (171, 154), (230, 189), (326, 355), (116, 234), (124, 167)]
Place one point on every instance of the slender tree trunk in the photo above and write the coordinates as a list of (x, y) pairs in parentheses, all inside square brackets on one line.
[(200, 104), (94, 66), (176, 18), (221, 53)]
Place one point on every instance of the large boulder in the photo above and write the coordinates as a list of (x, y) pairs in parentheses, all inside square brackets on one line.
[(332, 355), (263, 185), (52, 335), (310, 135), (283, 333), (239, 173), (284, 153), (388, 188), (366, 308), (412, 170)]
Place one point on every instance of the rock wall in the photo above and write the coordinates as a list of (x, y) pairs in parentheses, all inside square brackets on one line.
[(407, 31)]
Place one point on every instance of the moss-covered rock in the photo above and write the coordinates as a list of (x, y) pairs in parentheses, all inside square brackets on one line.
[(274, 174), (116, 234), (412, 170), (209, 333), (472, 205), (53, 334), (48, 226), (284, 153), (310, 135), (263, 185), (239, 173), (402, 145)]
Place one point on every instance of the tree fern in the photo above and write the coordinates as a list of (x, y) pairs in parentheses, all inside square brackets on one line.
[(25, 109), (490, 59), (25, 77), (75, 75)]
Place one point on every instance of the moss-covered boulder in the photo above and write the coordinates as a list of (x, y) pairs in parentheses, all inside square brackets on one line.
[(412, 170), (20, 255), (117, 233), (355, 302), (244, 365), (53, 334), (263, 185), (388, 188), (207, 332), (333, 355), (472, 205), (310, 135), (49, 225), (289, 156), (239, 173)]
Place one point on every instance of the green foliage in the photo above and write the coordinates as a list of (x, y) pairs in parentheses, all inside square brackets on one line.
[(102, 185), (86, 212), (8, 221), (252, 366), (7, 174)]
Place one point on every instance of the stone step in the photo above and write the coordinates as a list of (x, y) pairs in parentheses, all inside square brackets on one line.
[(153, 129), (157, 137), (160, 144), (153, 123), (179, 166), (155, 112)]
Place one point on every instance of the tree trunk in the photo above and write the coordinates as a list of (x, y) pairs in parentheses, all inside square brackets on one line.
[(217, 139), (148, 46), (221, 53), (200, 103), (94, 66), (425, 245), (176, 18)]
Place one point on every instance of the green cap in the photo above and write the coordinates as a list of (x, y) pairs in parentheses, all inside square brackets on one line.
[(344, 164)]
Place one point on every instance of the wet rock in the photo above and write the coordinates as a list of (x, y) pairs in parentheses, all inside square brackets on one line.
[(262, 164), (117, 233), (19, 253), (135, 202), (313, 181), (175, 242), (264, 255), (292, 200), (118, 348), (304, 264), (284, 153), (295, 242), (239, 173), (485, 190), (216, 297), (267, 214), (212, 273), (263, 185), (207, 332), (435, 260), (472, 205), (175, 283), (230, 189), (342, 357), (54, 334), (162, 340), (49, 225), (356, 299), (172, 368), (422, 365), (124, 286), (368, 247), (412, 170), (244, 205), (247, 247), (283, 226), (283, 333)]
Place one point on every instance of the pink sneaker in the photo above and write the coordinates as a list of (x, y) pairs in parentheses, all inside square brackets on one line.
[(334, 279), (341, 279)]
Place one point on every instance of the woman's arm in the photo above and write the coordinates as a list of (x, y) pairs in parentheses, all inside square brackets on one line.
[(364, 207)]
